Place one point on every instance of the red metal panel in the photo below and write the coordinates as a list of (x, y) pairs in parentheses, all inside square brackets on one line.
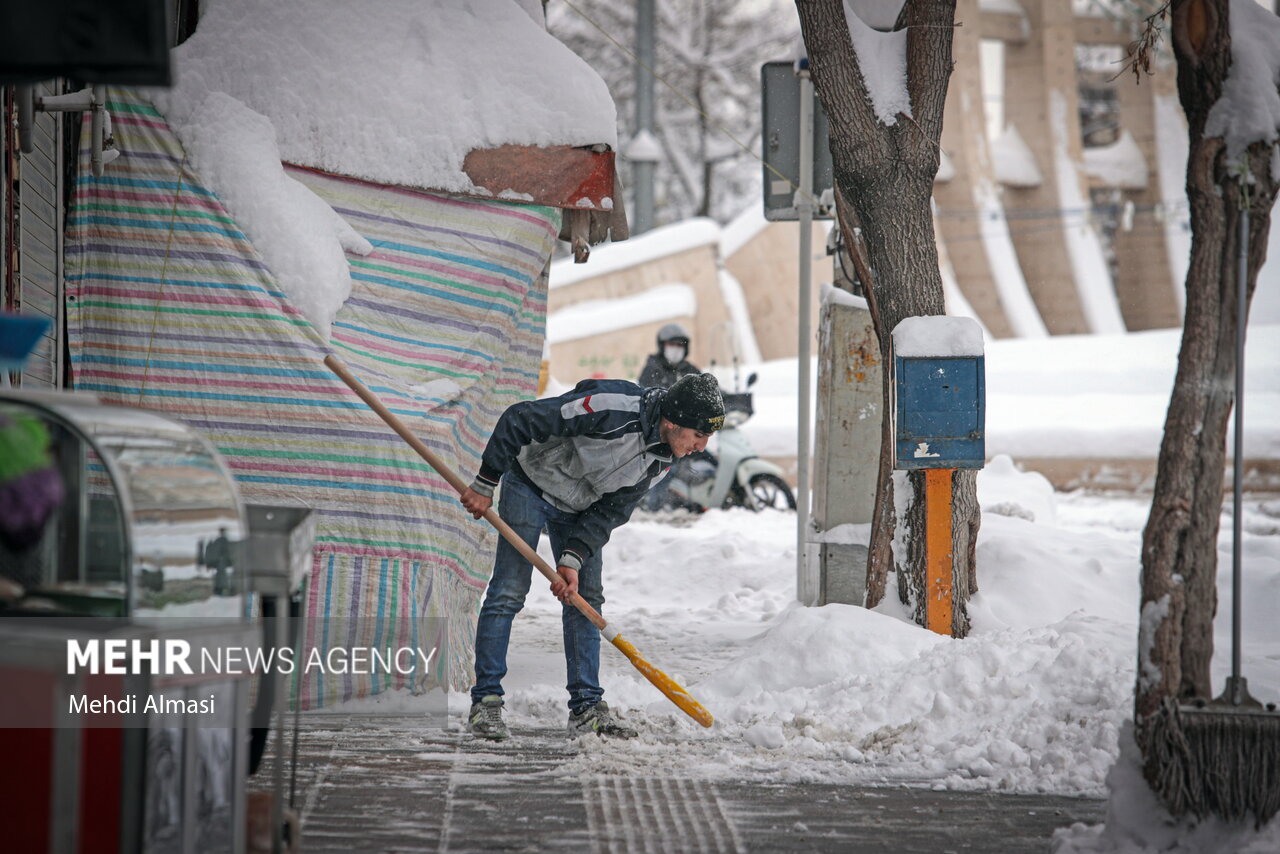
[(26, 774), (101, 771), (560, 176)]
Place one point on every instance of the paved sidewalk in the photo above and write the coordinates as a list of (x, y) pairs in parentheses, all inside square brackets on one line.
[(369, 784)]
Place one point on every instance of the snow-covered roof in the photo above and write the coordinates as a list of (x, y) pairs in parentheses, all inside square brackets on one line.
[(393, 91)]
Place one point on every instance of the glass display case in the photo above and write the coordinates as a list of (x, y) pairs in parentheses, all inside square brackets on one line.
[(148, 519)]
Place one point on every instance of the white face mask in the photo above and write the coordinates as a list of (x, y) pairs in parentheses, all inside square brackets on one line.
[(673, 353)]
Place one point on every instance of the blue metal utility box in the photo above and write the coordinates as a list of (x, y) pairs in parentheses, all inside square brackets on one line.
[(940, 413)]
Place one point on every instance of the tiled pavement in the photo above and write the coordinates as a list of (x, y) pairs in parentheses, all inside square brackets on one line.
[(369, 784)]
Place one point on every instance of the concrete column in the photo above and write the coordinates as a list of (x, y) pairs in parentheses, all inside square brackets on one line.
[(1057, 246), (970, 216), (846, 443), (1147, 285)]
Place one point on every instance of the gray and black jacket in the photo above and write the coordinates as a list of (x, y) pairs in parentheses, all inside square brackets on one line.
[(593, 451)]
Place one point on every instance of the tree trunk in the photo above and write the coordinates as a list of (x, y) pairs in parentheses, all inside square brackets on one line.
[(1179, 543), (885, 175), (704, 133)]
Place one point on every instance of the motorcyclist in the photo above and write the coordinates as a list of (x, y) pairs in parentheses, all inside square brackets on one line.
[(662, 369), (671, 362)]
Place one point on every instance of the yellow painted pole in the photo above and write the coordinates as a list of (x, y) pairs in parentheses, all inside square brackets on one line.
[(937, 549)]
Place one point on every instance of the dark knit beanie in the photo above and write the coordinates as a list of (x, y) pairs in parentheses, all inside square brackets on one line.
[(694, 401)]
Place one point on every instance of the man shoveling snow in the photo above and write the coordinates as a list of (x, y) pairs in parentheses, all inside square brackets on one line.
[(577, 464)]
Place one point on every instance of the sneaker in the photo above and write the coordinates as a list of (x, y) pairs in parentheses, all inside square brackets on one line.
[(485, 720), (600, 720)]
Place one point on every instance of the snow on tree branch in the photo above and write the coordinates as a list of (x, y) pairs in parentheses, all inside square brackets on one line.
[(882, 59), (1249, 109)]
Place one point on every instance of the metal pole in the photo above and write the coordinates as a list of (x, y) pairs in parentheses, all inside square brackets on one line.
[(1237, 464), (299, 637), (97, 107), (643, 169), (804, 206), (277, 718)]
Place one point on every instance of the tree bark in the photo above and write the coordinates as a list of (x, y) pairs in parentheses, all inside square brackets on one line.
[(885, 173), (1179, 543)]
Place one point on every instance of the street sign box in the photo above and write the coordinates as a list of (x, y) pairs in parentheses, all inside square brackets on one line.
[(780, 135)]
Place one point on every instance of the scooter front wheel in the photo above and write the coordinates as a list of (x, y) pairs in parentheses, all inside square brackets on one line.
[(769, 492)]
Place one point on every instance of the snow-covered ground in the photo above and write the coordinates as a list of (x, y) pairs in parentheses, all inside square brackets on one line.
[(1034, 700)]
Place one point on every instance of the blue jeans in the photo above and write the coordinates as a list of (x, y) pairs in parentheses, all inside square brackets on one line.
[(527, 512)]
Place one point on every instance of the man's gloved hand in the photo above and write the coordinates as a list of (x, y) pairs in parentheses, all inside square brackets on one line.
[(567, 585)]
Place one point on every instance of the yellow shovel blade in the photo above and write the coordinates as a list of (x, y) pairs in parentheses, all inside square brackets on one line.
[(664, 683)]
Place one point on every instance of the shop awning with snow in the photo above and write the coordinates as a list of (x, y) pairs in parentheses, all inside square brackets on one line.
[(469, 99)]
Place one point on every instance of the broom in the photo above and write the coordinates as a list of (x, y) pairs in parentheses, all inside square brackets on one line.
[(664, 683), (1222, 757)]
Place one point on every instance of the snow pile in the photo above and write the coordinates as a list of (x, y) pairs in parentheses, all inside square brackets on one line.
[(394, 91), (1249, 109), (1006, 491), (301, 239), (882, 56), (1136, 823), (1025, 709), (1034, 700)]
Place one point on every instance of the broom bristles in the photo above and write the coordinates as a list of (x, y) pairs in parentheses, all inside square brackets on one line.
[(1214, 761)]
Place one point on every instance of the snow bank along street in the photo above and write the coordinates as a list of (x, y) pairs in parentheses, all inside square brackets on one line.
[(1032, 701)]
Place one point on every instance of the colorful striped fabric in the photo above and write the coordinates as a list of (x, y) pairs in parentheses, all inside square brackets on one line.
[(170, 307)]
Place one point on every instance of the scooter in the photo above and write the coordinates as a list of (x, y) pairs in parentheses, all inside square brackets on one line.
[(734, 476)]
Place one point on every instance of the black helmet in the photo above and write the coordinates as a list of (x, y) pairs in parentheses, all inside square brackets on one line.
[(673, 332)]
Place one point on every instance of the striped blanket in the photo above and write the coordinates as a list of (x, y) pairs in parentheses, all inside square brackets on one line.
[(170, 307)]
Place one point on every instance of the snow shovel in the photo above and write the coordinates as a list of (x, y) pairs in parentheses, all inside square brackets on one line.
[(664, 683)]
